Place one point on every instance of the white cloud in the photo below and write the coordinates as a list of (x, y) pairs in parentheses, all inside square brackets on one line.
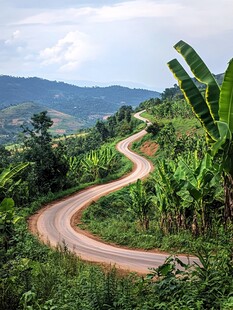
[(69, 52), (107, 13), (133, 39), (135, 9), (204, 18), (57, 16), (199, 14), (14, 37)]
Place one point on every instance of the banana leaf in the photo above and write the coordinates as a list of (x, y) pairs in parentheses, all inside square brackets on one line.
[(205, 164), (194, 98), (226, 98), (225, 134), (8, 173), (194, 191), (203, 75), (184, 172)]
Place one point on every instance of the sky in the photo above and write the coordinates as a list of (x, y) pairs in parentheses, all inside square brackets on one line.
[(99, 43)]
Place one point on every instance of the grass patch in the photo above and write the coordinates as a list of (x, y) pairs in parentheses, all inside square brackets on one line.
[(189, 125), (110, 219)]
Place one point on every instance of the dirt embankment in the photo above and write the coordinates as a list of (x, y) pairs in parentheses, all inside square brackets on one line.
[(149, 148)]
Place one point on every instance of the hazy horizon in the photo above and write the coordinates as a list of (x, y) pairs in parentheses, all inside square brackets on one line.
[(111, 42)]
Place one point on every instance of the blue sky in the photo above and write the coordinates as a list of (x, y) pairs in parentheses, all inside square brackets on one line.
[(111, 42)]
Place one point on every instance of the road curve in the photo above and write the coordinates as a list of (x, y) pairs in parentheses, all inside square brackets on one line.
[(53, 224)]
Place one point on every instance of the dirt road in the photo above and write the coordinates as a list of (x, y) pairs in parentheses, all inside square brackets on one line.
[(53, 224)]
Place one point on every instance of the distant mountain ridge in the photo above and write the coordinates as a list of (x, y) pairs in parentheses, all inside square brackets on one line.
[(70, 107), (77, 101)]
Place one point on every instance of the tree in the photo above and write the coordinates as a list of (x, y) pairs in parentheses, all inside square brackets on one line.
[(73, 173), (112, 123), (153, 128), (124, 113), (148, 104), (49, 168), (171, 93), (8, 219), (5, 155), (166, 138), (102, 130), (214, 110)]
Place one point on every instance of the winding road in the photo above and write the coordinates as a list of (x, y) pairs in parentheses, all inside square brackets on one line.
[(53, 223)]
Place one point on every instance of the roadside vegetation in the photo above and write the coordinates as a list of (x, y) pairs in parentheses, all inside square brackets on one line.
[(186, 203), (184, 206)]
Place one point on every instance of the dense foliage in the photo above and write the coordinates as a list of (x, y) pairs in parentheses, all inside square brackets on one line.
[(183, 206), (214, 110), (180, 208)]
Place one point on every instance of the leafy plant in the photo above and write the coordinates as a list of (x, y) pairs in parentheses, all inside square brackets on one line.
[(99, 163), (141, 204), (214, 110), (8, 219)]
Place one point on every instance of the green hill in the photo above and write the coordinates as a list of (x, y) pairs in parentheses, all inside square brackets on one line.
[(71, 107), (13, 117), (87, 103)]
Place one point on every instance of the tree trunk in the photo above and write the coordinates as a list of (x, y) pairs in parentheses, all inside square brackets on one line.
[(146, 223), (228, 210), (195, 229)]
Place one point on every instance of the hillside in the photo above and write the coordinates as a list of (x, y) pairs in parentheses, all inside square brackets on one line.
[(70, 107), (88, 103), (14, 116)]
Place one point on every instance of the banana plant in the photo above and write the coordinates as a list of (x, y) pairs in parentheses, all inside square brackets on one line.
[(8, 173), (214, 110), (141, 203), (6, 178), (74, 164), (91, 165), (99, 163), (8, 218), (166, 200), (199, 185)]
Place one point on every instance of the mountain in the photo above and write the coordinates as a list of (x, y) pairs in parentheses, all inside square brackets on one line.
[(219, 78), (70, 107), (87, 103), (13, 117)]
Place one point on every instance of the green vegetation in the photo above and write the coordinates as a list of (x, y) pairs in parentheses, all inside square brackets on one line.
[(13, 117), (71, 107), (184, 206), (190, 190), (215, 112)]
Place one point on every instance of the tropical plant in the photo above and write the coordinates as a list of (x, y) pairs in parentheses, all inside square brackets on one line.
[(141, 204), (99, 163), (198, 182), (73, 173), (8, 217), (165, 199), (214, 110), (6, 178), (187, 190)]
